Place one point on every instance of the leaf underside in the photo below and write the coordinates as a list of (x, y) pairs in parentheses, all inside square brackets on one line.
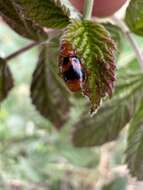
[(13, 16), (47, 13)]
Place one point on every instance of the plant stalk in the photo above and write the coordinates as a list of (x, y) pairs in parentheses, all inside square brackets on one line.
[(88, 7), (51, 35), (131, 39), (24, 49)]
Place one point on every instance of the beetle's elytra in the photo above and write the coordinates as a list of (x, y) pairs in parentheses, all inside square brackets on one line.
[(71, 68)]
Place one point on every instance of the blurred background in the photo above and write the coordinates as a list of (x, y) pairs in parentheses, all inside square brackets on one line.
[(34, 155)]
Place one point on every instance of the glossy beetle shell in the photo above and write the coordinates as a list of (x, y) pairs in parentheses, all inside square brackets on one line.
[(71, 68)]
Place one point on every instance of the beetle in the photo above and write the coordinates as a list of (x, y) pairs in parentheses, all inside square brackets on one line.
[(71, 68)]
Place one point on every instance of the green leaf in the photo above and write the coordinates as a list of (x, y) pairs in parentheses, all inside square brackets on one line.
[(48, 13), (12, 15), (134, 152), (95, 48), (134, 16), (116, 35), (106, 125), (6, 80), (47, 91)]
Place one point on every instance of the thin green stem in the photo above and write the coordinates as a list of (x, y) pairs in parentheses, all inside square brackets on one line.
[(24, 49), (131, 39), (51, 34), (88, 7)]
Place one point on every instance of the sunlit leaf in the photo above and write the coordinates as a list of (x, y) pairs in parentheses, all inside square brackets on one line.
[(47, 91), (14, 17), (134, 152), (6, 80), (106, 125), (134, 16), (96, 50), (48, 13)]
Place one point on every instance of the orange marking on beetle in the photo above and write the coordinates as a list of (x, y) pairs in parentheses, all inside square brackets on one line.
[(71, 68)]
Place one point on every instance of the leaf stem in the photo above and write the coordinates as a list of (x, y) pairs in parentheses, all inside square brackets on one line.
[(51, 35), (88, 7), (24, 49), (131, 39)]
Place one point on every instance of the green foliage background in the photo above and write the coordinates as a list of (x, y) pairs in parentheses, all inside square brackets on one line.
[(33, 155)]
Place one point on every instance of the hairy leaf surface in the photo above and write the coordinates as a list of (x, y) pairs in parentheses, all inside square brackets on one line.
[(116, 34), (96, 50), (106, 125), (47, 91)]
